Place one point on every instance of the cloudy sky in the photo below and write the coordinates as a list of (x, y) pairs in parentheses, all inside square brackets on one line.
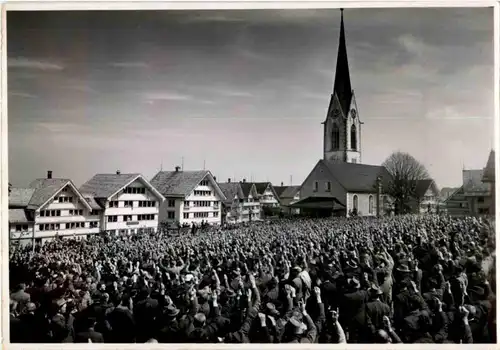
[(244, 91)]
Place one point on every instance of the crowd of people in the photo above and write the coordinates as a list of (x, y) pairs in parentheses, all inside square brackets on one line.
[(402, 279)]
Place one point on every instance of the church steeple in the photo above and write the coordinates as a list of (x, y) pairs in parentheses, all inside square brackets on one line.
[(342, 85), (342, 127)]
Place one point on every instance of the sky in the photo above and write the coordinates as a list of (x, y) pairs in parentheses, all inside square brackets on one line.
[(243, 92)]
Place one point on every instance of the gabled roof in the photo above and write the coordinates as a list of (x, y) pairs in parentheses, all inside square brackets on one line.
[(472, 181), (104, 186), (280, 189), (287, 191), (261, 186), (489, 169), (19, 216), (45, 189), (290, 192), (247, 188), (181, 183), (422, 186), (356, 177), (20, 197), (231, 189)]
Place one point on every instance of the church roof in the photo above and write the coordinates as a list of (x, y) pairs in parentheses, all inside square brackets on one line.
[(356, 177), (342, 84)]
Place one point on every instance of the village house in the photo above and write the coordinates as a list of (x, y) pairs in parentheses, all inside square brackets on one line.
[(241, 204), (128, 203), (48, 208), (427, 197), (190, 197)]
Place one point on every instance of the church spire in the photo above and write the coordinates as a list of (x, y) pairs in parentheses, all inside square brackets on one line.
[(342, 85)]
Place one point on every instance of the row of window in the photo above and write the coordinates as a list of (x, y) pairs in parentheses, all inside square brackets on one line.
[(135, 190), (204, 183), (71, 212), (200, 204), (64, 199), (66, 226), (140, 217), (199, 215), (202, 193), (20, 228), (130, 204)]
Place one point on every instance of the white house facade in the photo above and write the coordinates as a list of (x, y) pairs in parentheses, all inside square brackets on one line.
[(129, 203), (191, 197), (50, 208)]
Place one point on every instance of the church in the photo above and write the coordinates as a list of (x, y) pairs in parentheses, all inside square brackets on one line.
[(340, 184)]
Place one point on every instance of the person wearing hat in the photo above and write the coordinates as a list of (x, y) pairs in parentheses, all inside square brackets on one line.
[(376, 309), (299, 331), (170, 332)]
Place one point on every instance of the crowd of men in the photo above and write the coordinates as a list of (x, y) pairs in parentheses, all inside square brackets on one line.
[(403, 279)]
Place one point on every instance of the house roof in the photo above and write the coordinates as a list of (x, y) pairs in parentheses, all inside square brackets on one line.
[(181, 183), (231, 189), (280, 189), (247, 188), (20, 197), (422, 186), (358, 177), (44, 189), (290, 192), (105, 185), (472, 181), (261, 186), (18, 216), (489, 169)]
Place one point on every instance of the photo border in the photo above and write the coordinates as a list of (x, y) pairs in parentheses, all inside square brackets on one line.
[(113, 5)]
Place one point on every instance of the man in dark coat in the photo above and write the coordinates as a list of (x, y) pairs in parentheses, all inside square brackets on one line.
[(89, 335)]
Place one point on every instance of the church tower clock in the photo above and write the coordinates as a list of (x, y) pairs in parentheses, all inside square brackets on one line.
[(342, 127)]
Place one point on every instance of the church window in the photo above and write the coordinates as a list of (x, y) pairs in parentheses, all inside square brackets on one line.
[(355, 202), (315, 189), (335, 137), (328, 187), (353, 137), (370, 204)]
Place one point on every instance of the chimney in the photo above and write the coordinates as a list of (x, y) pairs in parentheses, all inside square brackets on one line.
[(244, 180), (118, 172), (229, 180), (281, 183), (215, 178), (49, 174), (177, 168)]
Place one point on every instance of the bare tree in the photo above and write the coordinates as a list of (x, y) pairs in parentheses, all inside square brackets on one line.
[(405, 171)]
